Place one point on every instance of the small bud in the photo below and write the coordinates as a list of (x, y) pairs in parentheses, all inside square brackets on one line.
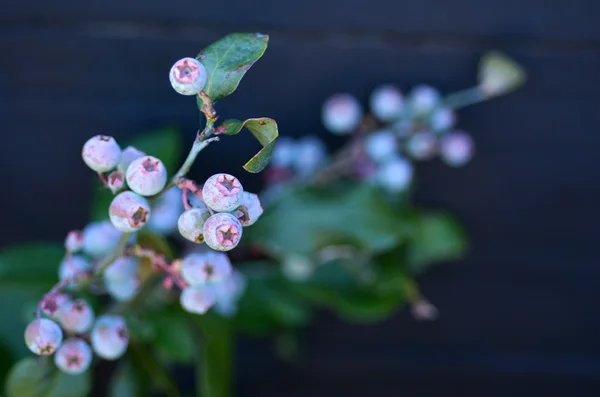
[(284, 152), (210, 267), (395, 174), (75, 266), (197, 299), (188, 76), (51, 304), (146, 176), (76, 316), (422, 145), (191, 224), (129, 154), (423, 99), (498, 74), (101, 153), (99, 238), (341, 114), (424, 310), (456, 149), (310, 155), (115, 181), (222, 232), (43, 336), (222, 192), (165, 212), (249, 210), (109, 336), (381, 145), (74, 356), (129, 212), (442, 119), (387, 103), (74, 241)]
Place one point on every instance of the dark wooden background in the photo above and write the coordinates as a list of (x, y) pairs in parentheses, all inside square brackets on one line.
[(519, 316)]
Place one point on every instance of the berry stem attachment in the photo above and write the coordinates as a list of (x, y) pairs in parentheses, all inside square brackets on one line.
[(117, 252), (160, 263), (103, 179)]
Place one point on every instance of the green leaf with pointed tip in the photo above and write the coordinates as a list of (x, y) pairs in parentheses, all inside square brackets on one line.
[(264, 130), (164, 144), (499, 74), (228, 59), (33, 378)]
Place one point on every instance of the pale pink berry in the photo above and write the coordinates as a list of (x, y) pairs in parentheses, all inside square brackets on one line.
[(222, 192), (209, 267), (74, 241), (422, 145), (222, 232), (423, 99), (115, 181), (127, 156), (109, 336), (43, 336), (129, 212), (341, 114), (74, 268), (387, 103), (249, 210), (442, 119), (51, 304), (101, 153), (456, 148), (188, 76), (76, 316), (395, 174), (191, 224), (197, 299), (423, 310), (74, 356), (146, 176)]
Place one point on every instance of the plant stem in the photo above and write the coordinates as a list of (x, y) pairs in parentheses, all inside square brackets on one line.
[(464, 98), (110, 258)]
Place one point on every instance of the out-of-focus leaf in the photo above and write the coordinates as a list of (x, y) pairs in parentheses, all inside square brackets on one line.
[(126, 382), (164, 144), (305, 220), (499, 74), (228, 59), (27, 271), (173, 335), (437, 237), (155, 242), (6, 362), (32, 378), (264, 130)]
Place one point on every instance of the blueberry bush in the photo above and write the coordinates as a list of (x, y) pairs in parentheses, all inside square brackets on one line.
[(337, 231)]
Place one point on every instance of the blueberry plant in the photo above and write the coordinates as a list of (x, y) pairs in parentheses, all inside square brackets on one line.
[(337, 231)]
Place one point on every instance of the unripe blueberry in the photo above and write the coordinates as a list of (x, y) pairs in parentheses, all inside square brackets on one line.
[(227, 293), (188, 76), (395, 174), (197, 299), (74, 356), (101, 153), (146, 176), (74, 241), (222, 232), (387, 103), (43, 336), (191, 224), (165, 212), (209, 267), (249, 210), (381, 145), (115, 181), (72, 266), (422, 145), (121, 278), (442, 119), (109, 336), (129, 212), (127, 156), (99, 238), (76, 316), (51, 304), (310, 154), (423, 99), (222, 192), (456, 148), (341, 114), (284, 152)]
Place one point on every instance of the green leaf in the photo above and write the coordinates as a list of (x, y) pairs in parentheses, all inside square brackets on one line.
[(173, 336), (437, 237), (305, 220), (228, 59), (127, 383), (155, 242), (499, 74), (164, 144), (264, 130), (27, 271), (32, 378)]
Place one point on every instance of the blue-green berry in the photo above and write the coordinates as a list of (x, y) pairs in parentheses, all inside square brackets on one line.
[(209, 267), (109, 336), (191, 224), (43, 336)]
